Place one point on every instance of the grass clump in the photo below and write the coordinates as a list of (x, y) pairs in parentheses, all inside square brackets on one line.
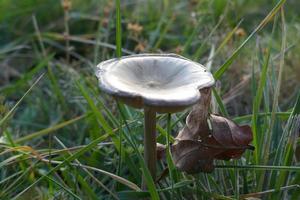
[(62, 138)]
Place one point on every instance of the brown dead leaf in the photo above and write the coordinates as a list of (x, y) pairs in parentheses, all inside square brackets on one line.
[(226, 140), (233, 138), (198, 144), (191, 156)]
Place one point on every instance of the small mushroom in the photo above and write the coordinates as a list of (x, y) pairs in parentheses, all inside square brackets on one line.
[(157, 83)]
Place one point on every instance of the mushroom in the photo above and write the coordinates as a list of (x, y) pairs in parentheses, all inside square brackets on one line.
[(157, 83)]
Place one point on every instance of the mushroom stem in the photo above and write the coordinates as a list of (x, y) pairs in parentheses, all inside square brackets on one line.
[(150, 143)]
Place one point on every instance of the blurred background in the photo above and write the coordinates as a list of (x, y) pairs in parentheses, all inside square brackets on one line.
[(85, 31)]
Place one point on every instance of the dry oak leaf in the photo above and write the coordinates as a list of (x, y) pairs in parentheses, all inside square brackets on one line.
[(225, 141)]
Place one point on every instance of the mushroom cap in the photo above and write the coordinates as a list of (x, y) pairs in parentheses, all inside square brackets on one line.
[(165, 83)]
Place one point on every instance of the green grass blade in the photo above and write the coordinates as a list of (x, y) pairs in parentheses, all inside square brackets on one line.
[(66, 161), (20, 100), (64, 188), (50, 129), (100, 118), (121, 180), (289, 149), (277, 89), (256, 105), (281, 115), (230, 60), (260, 167), (11, 88), (119, 29), (220, 103), (228, 37), (145, 171)]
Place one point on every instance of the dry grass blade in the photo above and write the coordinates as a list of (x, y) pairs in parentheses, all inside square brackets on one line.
[(20, 100), (88, 172), (277, 89), (50, 129), (86, 41), (228, 62), (115, 177), (262, 193)]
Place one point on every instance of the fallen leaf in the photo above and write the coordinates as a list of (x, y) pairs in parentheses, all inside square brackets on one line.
[(225, 141)]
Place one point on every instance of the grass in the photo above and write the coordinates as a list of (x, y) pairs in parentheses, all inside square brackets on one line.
[(63, 138)]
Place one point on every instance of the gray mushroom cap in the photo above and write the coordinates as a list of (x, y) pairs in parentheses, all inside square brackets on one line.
[(164, 82)]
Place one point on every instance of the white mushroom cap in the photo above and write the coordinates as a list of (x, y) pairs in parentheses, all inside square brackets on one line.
[(163, 82)]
